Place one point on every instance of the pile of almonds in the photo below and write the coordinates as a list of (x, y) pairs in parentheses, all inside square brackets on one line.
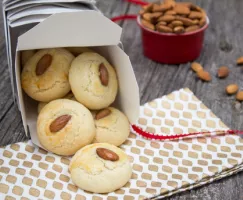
[(172, 17), (223, 72)]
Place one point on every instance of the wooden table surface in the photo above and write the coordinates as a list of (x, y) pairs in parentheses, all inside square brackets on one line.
[(222, 46)]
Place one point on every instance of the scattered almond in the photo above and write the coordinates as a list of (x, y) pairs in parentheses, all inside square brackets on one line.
[(223, 72), (204, 75), (239, 96), (240, 61), (196, 67), (107, 154), (232, 89), (59, 123)]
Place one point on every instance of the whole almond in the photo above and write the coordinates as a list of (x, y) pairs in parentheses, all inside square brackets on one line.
[(171, 3), (59, 123), (147, 16), (164, 29), (103, 113), (166, 6), (156, 14), (232, 89), (239, 96), (148, 8), (186, 21), (187, 4), (166, 18), (196, 8), (195, 21), (154, 17), (142, 11), (240, 61), (202, 22), (156, 8), (177, 23), (43, 64), (223, 72), (161, 23), (170, 12), (170, 26), (147, 24), (179, 29), (104, 75), (181, 9), (107, 154), (196, 67), (204, 75), (192, 28), (195, 15)]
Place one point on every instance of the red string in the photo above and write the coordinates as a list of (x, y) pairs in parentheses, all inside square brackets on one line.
[(123, 17), (154, 136), (138, 2)]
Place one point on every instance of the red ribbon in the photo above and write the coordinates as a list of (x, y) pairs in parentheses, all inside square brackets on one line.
[(123, 17), (154, 136), (138, 2)]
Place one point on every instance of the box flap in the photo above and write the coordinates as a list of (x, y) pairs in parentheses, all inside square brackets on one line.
[(62, 29)]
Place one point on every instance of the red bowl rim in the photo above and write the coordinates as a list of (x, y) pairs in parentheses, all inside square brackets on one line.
[(172, 34)]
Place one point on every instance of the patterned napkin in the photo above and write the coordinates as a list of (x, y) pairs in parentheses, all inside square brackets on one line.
[(160, 169)]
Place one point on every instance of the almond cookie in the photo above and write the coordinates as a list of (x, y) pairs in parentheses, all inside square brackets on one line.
[(45, 75), (93, 81), (100, 168), (42, 104), (64, 126), (78, 50), (112, 126), (26, 55)]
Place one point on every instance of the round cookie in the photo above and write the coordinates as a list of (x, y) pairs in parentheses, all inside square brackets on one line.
[(78, 50), (26, 55), (93, 81), (100, 168), (45, 75), (112, 126), (64, 126), (68, 96)]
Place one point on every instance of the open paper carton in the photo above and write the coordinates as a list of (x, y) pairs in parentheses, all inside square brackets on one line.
[(81, 29)]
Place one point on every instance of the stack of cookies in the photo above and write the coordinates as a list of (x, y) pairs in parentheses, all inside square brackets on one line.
[(75, 88)]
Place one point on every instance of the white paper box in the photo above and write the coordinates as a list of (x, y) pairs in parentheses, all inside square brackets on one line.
[(82, 28)]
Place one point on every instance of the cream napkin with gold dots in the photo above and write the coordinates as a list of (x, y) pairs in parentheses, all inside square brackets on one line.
[(160, 169)]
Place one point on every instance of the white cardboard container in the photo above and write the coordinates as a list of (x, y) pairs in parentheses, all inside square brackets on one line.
[(82, 29)]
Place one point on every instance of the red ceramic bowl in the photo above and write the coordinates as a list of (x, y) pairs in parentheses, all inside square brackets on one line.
[(172, 48)]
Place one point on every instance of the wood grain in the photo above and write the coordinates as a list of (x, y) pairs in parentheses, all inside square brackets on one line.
[(222, 46)]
